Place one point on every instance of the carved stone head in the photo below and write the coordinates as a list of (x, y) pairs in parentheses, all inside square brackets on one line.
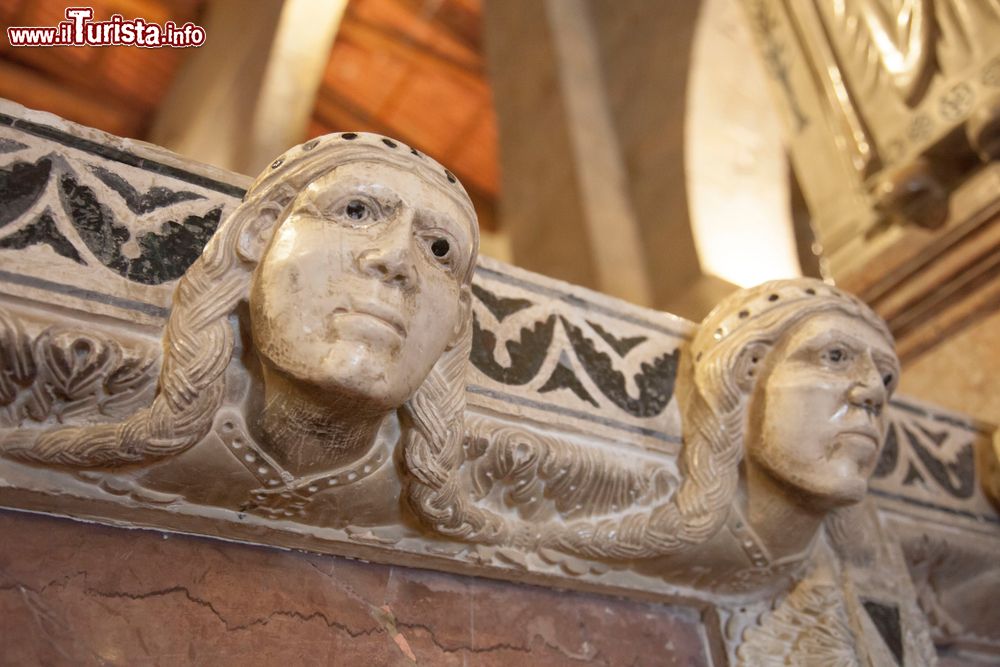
[(782, 394), (355, 253), (364, 282), (794, 376)]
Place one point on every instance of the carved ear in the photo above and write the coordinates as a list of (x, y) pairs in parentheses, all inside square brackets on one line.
[(748, 365), (257, 232), (464, 317)]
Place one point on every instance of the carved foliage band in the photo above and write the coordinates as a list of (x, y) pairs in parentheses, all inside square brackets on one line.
[(65, 373), (542, 477)]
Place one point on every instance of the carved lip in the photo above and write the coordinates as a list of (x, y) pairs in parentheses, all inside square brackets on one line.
[(871, 434), (378, 311), (861, 442)]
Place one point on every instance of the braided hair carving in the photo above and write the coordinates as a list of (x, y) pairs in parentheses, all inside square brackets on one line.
[(713, 390)]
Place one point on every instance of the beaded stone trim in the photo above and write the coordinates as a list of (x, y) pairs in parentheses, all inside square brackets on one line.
[(766, 300), (281, 495)]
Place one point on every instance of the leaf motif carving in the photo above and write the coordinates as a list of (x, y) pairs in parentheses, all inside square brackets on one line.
[(536, 471), (17, 365), (499, 306), (142, 202), (655, 381), (22, 184), (63, 372), (75, 363), (957, 477), (526, 354)]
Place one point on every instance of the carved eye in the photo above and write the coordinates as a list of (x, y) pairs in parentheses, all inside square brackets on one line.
[(887, 379), (440, 248), (835, 356), (358, 211)]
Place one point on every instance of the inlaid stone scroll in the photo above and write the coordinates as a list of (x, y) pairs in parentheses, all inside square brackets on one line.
[(332, 371)]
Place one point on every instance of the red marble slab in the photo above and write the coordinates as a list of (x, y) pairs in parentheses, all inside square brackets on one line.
[(81, 594)]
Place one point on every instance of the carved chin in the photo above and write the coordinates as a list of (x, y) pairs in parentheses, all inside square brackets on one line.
[(848, 492), (343, 375), (833, 491), (822, 486)]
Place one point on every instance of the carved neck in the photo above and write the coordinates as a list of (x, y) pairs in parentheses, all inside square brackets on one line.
[(306, 435), (784, 523)]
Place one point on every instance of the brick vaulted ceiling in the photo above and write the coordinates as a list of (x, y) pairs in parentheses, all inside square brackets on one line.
[(116, 89), (413, 69)]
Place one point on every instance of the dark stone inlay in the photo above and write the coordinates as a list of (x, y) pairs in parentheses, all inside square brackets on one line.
[(11, 146), (116, 155), (655, 381), (42, 231), (21, 185), (95, 224), (154, 198), (890, 454), (886, 620), (970, 425), (499, 306), (621, 346), (913, 476), (563, 377), (526, 353), (162, 257), (576, 414), (389, 142), (167, 255), (937, 438), (957, 477), (578, 302)]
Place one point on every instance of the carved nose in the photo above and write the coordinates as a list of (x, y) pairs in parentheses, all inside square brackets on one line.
[(868, 392), (390, 262)]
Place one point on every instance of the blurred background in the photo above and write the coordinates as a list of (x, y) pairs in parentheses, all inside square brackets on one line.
[(636, 147), (566, 121)]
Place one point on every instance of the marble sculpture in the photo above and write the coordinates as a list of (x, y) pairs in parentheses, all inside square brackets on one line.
[(314, 369)]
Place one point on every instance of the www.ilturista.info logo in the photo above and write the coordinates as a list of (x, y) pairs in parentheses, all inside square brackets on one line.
[(80, 30)]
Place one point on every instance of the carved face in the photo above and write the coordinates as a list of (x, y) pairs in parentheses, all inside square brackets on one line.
[(360, 290), (817, 417)]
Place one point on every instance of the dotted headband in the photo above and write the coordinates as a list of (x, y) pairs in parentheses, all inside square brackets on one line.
[(301, 164), (740, 310)]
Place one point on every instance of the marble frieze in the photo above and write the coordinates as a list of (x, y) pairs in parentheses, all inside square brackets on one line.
[(318, 360)]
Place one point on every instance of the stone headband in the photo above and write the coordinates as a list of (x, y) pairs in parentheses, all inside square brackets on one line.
[(741, 311), (302, 164)]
